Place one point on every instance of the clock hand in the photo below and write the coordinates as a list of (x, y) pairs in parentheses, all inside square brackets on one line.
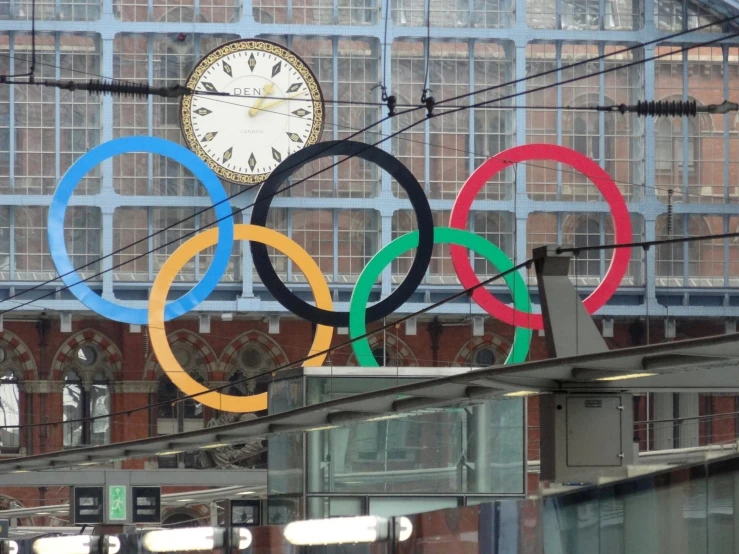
[(267, 91), (280, 101)]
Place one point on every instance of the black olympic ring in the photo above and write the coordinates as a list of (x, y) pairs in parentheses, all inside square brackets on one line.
[(418, 201)]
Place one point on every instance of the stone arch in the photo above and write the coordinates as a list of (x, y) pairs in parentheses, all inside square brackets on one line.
[(191, 340), (273, 351), (21, 356), (111, 362), (395, 346), (500, 346)]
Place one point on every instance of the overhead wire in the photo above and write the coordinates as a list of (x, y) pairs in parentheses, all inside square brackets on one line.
[(419, 312), (465, 292), (385, 138)]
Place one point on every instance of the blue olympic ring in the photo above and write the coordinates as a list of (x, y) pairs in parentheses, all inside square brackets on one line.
[(151, 145)]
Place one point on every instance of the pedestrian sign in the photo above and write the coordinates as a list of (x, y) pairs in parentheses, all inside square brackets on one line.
[(117, 503)]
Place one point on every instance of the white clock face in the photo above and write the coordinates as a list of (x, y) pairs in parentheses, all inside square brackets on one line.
[(274, 108)]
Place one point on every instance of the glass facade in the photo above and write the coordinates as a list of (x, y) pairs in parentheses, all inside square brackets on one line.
[(446, 454), (475, 44)]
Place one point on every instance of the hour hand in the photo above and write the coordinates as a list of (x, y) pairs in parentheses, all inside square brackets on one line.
[(255, 109)]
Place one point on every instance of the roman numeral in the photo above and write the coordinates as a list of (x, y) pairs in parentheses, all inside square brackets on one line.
[(227, 69), (301, 112), (294, 137), (203, 111), (252, 162), (209, 136), (276, 155), (209, 87), (295, 87), (228, 154), (252, 62), (276, 68)]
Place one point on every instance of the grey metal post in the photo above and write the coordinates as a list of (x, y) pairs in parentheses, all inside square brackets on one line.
[(480, 444), (569, 329)]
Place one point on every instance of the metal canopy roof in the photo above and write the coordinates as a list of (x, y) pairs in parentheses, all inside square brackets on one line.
[(702, 365)]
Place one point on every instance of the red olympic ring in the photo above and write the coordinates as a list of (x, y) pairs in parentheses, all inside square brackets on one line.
[(596, 175)]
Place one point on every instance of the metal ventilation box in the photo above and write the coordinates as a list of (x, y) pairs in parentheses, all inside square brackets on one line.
[(585, 436)]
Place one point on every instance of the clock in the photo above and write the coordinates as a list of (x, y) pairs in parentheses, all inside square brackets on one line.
[(254, 104)]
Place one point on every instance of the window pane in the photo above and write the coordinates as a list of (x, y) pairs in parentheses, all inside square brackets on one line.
[(9, 413), (100, 406), (72, 398)]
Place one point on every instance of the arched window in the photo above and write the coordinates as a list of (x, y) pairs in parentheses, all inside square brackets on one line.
[(484, 356), (9, 410), (86, 400)]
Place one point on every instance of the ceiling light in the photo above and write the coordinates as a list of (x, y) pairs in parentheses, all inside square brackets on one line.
[(216, 445), (245, 492), (169, 453), (76, 544), (20, 471), (388, 416), (186, 500), (346, 530), (625, 376), (194, 538), (519, 393)]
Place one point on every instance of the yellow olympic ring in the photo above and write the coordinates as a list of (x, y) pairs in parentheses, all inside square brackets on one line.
[(165, 278)]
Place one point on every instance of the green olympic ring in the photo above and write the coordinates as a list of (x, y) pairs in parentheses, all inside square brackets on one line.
[(442, 235)]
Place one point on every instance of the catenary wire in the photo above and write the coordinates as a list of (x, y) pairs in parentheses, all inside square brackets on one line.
[(464, 292), (665, 188), (289, 364), (396, 133), (661, 39), (424, 310)]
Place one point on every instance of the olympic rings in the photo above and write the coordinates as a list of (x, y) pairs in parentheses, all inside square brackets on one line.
[(442, 235), (322, 314), (418, 201), (167, 274), (599, 177), (64, 191)]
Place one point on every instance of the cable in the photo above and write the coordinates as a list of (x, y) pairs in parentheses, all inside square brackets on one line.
[(665, 188), (287, 365), (410, 126), (601, 57), (527, 264), (559, 83)]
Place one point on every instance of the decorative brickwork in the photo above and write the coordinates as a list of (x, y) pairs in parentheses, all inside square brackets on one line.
[(111, 361), (497, 344), (19, 356)]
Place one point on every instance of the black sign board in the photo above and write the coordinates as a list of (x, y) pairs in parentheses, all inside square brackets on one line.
[(87, 505), (4, 528), (147, 504), (245, 513)]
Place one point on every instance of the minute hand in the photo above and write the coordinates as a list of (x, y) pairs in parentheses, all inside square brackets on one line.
[(279, 101)]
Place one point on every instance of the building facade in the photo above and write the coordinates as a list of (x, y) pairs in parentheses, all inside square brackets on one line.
[(55, 369)]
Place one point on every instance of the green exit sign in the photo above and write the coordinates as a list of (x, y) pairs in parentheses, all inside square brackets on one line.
[(117, 503)]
